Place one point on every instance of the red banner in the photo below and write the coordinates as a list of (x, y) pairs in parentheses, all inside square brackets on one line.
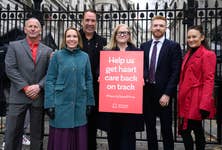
[(121, 81)]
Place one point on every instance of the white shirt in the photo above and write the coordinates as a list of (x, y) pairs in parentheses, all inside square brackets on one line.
[(159, 46)]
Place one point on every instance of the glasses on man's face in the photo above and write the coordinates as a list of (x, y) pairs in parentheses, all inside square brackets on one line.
[(122, 33)]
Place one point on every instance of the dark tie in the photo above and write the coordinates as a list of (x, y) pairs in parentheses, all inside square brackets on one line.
[(153, 63)]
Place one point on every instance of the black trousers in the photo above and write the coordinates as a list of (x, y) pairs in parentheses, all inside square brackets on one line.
[(196, 127), (152, 110), (92, 130), (121, 139), (92, 120)]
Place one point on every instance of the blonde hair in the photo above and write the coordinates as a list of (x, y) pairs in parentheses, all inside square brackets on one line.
[(80, 44), (159, 18), (113, 43)]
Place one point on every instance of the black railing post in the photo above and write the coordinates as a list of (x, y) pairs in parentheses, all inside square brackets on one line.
[(37, 12), (37, 4), (218, 78), (190, 15), (218, 98)]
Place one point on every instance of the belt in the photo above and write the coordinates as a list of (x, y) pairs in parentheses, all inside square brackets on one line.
[(150, 84)]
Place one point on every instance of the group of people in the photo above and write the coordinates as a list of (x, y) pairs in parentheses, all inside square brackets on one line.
[(66, 83)]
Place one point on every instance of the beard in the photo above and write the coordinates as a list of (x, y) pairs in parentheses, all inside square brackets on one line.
[(158, 34)]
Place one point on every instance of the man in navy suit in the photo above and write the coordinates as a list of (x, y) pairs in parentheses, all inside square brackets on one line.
[(161, 74)]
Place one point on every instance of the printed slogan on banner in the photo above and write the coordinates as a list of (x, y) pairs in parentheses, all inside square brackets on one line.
[(121, 81)]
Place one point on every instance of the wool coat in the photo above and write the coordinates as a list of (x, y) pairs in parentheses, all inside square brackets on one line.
[(69, 88), (197, 84)]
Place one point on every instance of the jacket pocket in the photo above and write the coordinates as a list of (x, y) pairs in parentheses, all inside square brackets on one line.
[(59, 87), (59, 94)]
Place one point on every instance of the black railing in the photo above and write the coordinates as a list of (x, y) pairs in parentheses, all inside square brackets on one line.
[(55, 21)]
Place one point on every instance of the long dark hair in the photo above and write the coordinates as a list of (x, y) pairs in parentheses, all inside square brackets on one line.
[(200, 29)]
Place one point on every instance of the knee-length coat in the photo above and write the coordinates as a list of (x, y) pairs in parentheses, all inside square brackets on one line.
[(196, 84), (69, 88)]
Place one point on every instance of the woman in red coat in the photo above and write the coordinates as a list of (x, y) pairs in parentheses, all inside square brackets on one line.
[(195, 97)]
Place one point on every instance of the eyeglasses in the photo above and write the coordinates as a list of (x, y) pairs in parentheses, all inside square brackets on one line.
[(122, 33)]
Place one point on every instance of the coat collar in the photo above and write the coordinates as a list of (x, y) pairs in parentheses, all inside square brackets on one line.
[(198, 52), (26, 47), (161, 40), (161, 54), (196, 55), (28, 50)]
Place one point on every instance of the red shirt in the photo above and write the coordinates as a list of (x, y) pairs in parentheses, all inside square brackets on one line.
[(33, 46)]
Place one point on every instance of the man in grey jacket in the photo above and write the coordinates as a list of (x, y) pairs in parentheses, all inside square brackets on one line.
[(26, 65)]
